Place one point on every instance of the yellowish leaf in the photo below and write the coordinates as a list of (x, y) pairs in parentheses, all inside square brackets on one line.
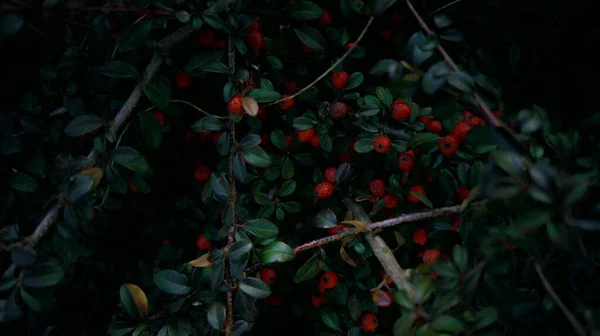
[(139, 297), (250, 106), (361, 225), (95, 173), (346, 257), (202, 261), (381, 298)]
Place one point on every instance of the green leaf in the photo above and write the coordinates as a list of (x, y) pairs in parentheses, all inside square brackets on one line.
[(10, 24), (74, 105), (434, 79), (130, 159), (423, 199), (79, 186), (386, 98), (215, 21), (532, 219), (461, 257), (291, 207), (239, 327), (216, 315), (43, 275), (338, 35), (118, 69), (368, 110), (380, 6), (287, 169), (159, 92), (355, 80), (278, 139), (403, 324), (325, 219), (461, 81), (7, 283), (442, 20), (151, 130), (10, 146), (120, 328), (22, 182), (83, 125), (447, 323), (202, 61), (219, 186), (209, 124), (511, 162), (287, 188), (256, 156), (326, 143), (183, 16), (262, 198), (261, 228), (330, 318), (239, 248), (264, 95), (274, 62), (311, 37), (134, 36), (239, 168), (134, 301), (422, 138), (384, 66), (275, 252), (363, 145), (32, 302), (172, 282), (485, 317), (305, 10), (308, 270), (303, 123), (223, 144), (255, 288)]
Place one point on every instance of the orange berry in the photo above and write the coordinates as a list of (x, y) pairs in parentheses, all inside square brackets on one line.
[(160, 115), (326, 19), (268, 275), (324, 190), (206, 38), (314, 141), (255, 40), (400, 110), (406, 161), (235, 105), (463, 192), (131, 186), (460, 131), (377, 188), (382, 144), (420, 236), (339, 79), (430, 256), (288, 104), (368, 322), (305, 136), (339, 110), (182, 80), (202, 243), (317, 300), (330, 175), (329, 280), (448, 145), (390, 201), (202, 173), (416, 190), (434, 126)]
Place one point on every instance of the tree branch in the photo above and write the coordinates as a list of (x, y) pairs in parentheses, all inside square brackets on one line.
[(579, 329), (340, 60)]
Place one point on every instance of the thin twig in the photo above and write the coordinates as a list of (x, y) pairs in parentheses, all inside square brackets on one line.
[(340, 60), (579, 329), (484, 108), (445, 6), (407, 218), (198, 109)]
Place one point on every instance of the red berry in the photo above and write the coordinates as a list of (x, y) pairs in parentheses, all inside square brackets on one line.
[(382, 144), (377, 188), (476, 121), (305, 136), (460, 131), (508, 245), (216, 136), (202, 173), (383, 274), (314, 141), (256, 25), (350, 45), (400, 110), (497, 113), (182, 80), (326, 19), (321, 288), (131, 186), (448, 145), (190, 137), (455, 225), (235, 105), (317, 300), (330, 175), (329, 280), (417, 190), (430, 256), (307, 49), (160, 115), (288, 104), (324, 190), (255, 39), (274, 300), (396, 19), (339, 79), (288, 141), (202, 243), (289, 86), (339, 110), (381, 298), (336, 229), (206, 38), (219, 44), (463, 192), (268, 275), (434, 127), (165, 241), (420, 236), (390, 201), (262, 113), (425, 120), (368, 322), (386, 34), (406, 161), (467, 113)]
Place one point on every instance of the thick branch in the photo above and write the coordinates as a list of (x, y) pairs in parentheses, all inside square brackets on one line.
[(579, 329), (340, 60)]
